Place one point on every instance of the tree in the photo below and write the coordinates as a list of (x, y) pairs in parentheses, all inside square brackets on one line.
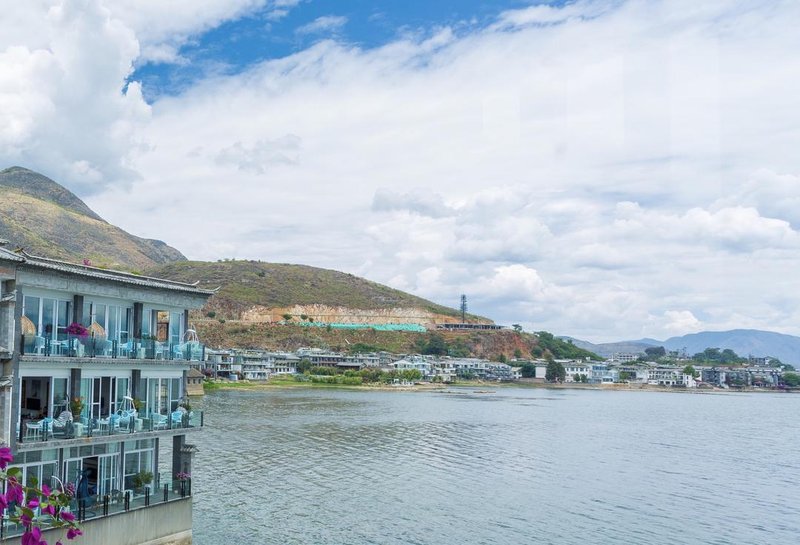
[(792, 380), (517, 353), (287, 317), (689, 370), (655, 352), (502, 358), (304, 365), (625, 375), (528, 370), (436, 345), (517, 328), (555, 372)]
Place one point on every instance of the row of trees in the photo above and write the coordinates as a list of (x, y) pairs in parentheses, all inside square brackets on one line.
[(369, 375)]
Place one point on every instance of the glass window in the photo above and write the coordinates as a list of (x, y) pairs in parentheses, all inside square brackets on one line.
[(87, 314), (60, 396), (175, 333), (31, 311), (48, 318)]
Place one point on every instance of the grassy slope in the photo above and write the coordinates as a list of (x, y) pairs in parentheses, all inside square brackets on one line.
[(246, 283), (48, 229), (46, 219), (487, 344)]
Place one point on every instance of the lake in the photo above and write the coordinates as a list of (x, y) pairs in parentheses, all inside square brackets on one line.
[(511, 466)]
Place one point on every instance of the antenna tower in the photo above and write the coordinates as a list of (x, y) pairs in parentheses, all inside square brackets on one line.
[(463, 309)]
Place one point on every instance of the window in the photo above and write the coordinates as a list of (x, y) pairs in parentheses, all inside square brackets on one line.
[(138, 457), (48, 316), (162, 395)]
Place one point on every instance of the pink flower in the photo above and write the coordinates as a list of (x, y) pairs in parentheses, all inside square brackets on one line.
[(33, 503), (72, 533), (14, 492), (5, 457), (46, 490), (67, 515), (32, 537), (3, 502), (49, 509)]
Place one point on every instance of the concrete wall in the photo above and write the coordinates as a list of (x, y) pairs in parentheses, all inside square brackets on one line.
[(163, 524)]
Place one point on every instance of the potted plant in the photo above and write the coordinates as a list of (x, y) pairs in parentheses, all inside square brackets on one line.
[(142, 479), (138, 404), (76, 406)]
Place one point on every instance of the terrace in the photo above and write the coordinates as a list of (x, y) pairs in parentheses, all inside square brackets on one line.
[(64, 345), (114, 428)]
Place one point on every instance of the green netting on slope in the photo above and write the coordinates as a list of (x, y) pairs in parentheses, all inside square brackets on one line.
[(378, 327)]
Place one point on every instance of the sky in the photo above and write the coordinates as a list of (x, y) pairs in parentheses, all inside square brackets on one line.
[(605, 169)]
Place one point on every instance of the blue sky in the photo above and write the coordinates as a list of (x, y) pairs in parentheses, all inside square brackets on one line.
[(237, 44)]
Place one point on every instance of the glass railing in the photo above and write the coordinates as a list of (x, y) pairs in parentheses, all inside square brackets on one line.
[(75, 346), (116, 501), (47, 429)]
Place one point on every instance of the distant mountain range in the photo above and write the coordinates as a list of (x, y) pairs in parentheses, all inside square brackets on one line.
[(745, 342)]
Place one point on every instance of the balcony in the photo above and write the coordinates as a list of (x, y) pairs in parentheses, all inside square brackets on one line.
[(114, 503), (73, 346), (47, 430)]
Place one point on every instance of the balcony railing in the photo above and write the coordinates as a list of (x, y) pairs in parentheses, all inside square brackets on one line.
[(117, 501), (47, 429), (72, 346)]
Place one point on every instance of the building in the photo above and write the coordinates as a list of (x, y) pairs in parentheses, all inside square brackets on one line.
[(93, 390)]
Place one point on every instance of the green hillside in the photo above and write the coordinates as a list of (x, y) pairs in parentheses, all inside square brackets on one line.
[(246, 283), (46, 219)]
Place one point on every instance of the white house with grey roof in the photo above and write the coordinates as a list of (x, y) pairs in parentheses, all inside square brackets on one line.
[(93, 390)]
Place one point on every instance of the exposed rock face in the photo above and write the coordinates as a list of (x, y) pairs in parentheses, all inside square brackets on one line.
[(329, 314)]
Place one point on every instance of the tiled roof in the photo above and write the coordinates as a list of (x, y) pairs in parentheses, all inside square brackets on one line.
[(108, 274), (9, 256)]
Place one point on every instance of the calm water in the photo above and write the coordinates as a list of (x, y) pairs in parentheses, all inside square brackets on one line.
[(516, 466)]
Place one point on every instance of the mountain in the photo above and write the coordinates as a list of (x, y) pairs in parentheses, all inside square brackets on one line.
[(256, 291), (609, 349), (745, 342), (46, 219)]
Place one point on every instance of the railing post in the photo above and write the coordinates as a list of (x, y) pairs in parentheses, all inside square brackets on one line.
[(166, 492), (147, 496), (105, 505), (202, 415), (22, 345), (183, 488), (127, 500)]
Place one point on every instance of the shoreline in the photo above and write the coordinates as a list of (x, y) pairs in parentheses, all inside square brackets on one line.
[(484, 387)]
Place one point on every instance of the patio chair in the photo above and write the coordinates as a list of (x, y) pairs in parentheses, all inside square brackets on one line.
[(127, 418), (124, 350), (177, 417), (38, 345), (159, 421), (63, 425)]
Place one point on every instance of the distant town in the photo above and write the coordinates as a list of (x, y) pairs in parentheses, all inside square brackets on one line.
[(712, 369)]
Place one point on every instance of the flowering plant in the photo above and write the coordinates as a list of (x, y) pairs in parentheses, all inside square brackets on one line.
[(69, 490), (182, 476), (77, 330), (30, 506)]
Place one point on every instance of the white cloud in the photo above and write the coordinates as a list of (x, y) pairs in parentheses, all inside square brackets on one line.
[(490, 162), (681, 322), (326, 23)]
